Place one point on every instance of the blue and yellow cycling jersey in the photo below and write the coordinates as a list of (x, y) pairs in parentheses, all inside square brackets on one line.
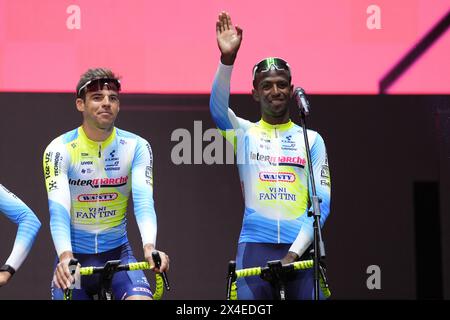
[(28, 226), (89, 184), (274, 172)]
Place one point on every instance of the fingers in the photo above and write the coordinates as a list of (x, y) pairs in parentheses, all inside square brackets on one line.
[(239, 31), (56, 280), (4, 277), (218, 28), (62, 276), (228, 21), (224, 22), (164, 262)]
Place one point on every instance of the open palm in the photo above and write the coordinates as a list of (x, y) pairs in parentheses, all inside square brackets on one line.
[(228, 37)]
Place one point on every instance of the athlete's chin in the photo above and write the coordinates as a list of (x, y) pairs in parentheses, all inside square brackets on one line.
[(278, 109), (105, 125), (278, 113)]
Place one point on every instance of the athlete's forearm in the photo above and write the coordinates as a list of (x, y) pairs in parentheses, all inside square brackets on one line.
[(220, 95), (142, 188), (60, 227), (28, 226), (55, 164)]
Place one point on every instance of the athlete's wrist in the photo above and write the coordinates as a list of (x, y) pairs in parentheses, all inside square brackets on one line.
[(66, 255), (228, 59), (290, 257), (148, 249), (8, 268)]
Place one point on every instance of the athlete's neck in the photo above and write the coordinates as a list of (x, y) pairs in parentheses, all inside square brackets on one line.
[(275, 120), (97, 134)]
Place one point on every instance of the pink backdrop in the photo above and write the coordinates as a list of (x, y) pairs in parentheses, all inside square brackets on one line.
[(170, 46)]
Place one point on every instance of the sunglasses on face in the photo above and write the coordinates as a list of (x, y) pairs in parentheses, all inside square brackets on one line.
[(268, 64), (99, 84)]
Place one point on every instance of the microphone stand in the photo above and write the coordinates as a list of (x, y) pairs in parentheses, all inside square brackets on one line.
[(319, 248)]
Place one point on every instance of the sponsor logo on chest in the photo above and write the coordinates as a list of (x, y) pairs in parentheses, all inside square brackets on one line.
[(277, 176), (97, 197)]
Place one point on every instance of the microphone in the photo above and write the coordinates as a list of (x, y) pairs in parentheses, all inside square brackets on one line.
[(157, 259), (302, 101)]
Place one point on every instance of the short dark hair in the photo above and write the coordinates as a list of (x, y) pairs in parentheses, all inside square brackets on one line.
[(93, 74)]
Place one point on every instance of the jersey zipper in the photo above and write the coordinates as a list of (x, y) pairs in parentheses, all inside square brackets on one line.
[(99, 165), (277, 185)]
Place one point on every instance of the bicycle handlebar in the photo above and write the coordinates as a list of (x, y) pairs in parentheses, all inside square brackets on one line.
[(159, 290), (88, 271), (258, 271)]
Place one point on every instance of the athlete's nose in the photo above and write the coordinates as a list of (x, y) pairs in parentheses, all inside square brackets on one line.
[(106, 102), (275, 89)]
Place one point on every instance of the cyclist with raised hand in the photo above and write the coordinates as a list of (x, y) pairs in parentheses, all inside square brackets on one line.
[(89, 173), (272, 167), (28, 227)]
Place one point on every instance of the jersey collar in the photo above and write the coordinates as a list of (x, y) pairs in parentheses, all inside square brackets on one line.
[(283, 126), (96, 143)]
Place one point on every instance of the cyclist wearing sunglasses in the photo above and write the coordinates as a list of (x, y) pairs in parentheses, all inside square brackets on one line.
[(28, 227), (272, 167), (89, 174)]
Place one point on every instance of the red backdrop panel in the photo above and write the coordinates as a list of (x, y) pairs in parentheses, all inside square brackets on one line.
[(170, 47)]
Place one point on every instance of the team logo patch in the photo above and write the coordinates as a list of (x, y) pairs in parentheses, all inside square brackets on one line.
[(97, 197), (100, 183), (141, 289), (277, 176)]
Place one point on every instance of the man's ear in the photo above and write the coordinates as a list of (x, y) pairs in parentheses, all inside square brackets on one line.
[(292, 91), (255, 95), (80, 104)]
